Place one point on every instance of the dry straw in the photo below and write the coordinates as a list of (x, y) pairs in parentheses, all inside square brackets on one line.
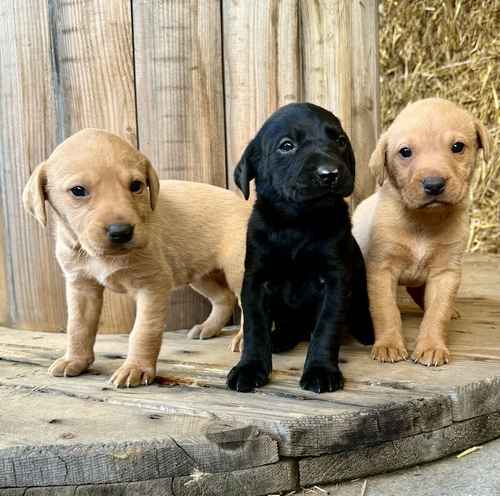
[(449, 49)]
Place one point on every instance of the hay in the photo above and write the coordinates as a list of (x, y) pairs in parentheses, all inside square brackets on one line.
[(449, 48)]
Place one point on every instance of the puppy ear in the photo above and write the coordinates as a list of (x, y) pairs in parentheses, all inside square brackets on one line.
[(245, 170), (153, 184), (484, 139), (34, 194), (377, 161)]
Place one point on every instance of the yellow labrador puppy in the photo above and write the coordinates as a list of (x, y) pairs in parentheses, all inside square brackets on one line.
[(413, 230), (119, 227)]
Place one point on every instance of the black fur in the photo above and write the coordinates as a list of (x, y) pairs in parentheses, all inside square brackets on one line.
[(304, 271)]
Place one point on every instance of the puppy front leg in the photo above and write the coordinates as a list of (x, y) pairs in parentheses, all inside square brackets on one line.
[(440, 293), (382, 289), (255, 363), (321, 369), (84, 302), (145, 340)]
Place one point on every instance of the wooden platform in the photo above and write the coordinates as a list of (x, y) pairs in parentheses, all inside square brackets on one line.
[(188, 434)]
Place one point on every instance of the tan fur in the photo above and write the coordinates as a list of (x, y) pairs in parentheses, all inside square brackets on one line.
[(183, 233), (408, 243)]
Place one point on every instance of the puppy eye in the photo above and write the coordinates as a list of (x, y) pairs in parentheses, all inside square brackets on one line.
[(405, 152), (136, 186), (457, 147), (79, 191), (286, 146), (341, 141)]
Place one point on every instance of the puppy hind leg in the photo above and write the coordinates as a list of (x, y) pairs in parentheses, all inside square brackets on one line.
[(237, 341), (222, 300)]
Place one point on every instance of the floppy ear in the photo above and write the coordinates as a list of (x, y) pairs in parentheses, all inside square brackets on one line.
[(245, 170), (153, 184), (377, 161), (34, 194), (483, 139)]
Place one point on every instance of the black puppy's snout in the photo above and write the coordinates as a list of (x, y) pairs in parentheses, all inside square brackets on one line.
[(120, 233), (433, 185), (327, 174)]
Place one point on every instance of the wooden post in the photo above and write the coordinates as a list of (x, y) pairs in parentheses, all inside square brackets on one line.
[(207, 73), (261, 67), (180, 105)]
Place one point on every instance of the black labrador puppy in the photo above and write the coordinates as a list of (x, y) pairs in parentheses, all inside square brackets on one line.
[(304, 271)]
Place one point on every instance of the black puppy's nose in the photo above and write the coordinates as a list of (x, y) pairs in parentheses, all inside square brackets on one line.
[(120, 233), (433, 185), (327, 175)]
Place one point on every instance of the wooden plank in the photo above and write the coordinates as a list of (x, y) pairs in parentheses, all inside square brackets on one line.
[(93, 78), (365, 93), (4, 296), (27, 137), (327, 56), (274, 478), (261, 67), (55, 439), (178, 57), (400, 453)]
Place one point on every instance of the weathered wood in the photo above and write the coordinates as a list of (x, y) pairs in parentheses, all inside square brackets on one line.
[(326, 56), (180, 106), (93, 85), (365, 110), (261, 67), (388, 416), (274, 478), (4, 295), (54, 446), (400, 453), (26, 139)]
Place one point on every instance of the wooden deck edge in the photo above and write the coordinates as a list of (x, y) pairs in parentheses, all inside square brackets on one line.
[(78, 464), (400, 453), (273, 478)]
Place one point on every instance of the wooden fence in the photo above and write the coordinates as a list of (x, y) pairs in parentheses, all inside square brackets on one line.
[(187, 81)]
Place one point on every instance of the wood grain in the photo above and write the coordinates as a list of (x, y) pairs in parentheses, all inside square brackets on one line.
[(261, 67), (273, 478), (379, 402), (33, 280), (180, 106), (327, 56), (4, 295), (93, 78), (365, 109)]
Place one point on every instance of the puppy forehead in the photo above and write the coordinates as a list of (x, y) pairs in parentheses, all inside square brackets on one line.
[(299, 118), (95, 149), (432, 119)]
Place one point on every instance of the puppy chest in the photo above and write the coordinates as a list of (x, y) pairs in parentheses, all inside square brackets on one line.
[(416, 263)]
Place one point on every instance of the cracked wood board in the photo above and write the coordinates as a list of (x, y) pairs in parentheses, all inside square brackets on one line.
[(53, 439)]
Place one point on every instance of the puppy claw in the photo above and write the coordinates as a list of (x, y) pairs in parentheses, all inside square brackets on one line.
[(392, 354), (435, 355), (245, 377), (455, 314), (203, 331), (322, 379), (132, 375), (63, 367)]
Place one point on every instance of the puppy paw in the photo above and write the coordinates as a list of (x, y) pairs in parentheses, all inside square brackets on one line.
[(63, 367), (431, 354), (245, 377), (237, 342), (203, 331), (321, 379), (384, 352), (133, 375)]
